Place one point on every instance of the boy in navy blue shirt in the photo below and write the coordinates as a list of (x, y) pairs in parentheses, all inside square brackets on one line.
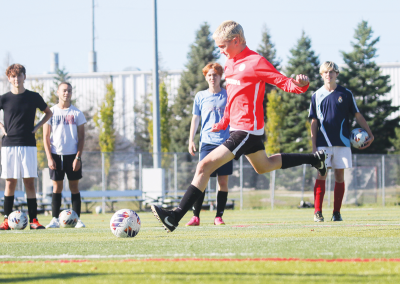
[(330, 110)]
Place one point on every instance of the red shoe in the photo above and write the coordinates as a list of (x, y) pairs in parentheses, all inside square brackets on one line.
[(195, 221), (218, 221), (4, 225), (35, 225)]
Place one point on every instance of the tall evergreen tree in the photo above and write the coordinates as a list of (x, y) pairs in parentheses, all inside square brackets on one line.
[(202, 51), (267, 49), (296, 130), (364, 79)]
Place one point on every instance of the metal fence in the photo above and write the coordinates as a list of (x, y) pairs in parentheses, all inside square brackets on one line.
[(374, 179)]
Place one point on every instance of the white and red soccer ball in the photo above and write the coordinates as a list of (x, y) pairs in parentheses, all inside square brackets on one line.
[(17, 220), (125, 223), (68, 218), (358, 136)]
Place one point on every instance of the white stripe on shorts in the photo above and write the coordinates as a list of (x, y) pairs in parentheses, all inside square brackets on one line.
[(241, 144), (18, 162)]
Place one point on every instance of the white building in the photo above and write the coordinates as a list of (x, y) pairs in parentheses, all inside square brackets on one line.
[(131, 87)]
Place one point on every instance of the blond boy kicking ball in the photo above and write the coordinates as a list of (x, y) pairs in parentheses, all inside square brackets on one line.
[(246, 73)]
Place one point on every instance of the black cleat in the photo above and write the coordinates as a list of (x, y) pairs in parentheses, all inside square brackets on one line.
[(336, 217), (321, 155), (167, 218), (318, 217)]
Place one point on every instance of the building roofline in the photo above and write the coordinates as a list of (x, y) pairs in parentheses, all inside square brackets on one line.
[(102, 74)]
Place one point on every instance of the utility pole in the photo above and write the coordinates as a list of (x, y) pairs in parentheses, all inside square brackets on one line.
[(92, 54), (156, 100)]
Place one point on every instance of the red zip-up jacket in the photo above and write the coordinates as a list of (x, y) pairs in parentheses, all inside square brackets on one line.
[(246, 75)]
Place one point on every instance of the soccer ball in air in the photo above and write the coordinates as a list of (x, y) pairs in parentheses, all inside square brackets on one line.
[(68, 218), (125, 223), (17, 220), (358, 137)]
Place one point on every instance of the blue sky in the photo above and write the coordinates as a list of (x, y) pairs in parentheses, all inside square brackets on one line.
[(32, 30)]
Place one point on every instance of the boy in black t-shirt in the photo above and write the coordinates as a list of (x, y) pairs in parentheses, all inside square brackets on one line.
[(18, 151)]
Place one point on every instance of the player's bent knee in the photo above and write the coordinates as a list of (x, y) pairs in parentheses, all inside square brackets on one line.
[(204, 168)]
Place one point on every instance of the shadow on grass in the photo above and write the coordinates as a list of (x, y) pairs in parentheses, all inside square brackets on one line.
[(66, 276), (46, 276)]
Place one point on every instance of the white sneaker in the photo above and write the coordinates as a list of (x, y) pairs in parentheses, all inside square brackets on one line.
[(54, 223), (80, 224)]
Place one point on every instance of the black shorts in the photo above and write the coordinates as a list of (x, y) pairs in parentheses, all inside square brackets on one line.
[(242, 143), (64, 166), (224, 170)]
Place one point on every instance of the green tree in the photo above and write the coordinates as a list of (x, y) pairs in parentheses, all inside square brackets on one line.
[(274, 123), (295, 134), (104, 121), (60, 76), (267, 49), (396, 141), (165, 115), (202, 51), (42, 159), (364, 79), (142, 120)]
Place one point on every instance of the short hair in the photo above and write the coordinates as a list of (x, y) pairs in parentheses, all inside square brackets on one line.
[(216, 66), (64, 83), (15, 70), (228, 30), (327, 66)]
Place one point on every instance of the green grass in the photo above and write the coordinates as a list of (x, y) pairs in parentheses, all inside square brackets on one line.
[(366, 233)]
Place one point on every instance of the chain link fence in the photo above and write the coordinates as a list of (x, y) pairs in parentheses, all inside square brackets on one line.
[(373, 180)]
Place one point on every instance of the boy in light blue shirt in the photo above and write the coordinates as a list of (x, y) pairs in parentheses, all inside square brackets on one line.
[(209, 105)]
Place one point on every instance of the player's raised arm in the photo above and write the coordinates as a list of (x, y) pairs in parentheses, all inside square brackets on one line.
[(268, 73)]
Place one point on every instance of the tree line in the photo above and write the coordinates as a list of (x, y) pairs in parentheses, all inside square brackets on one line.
[(287, 127)]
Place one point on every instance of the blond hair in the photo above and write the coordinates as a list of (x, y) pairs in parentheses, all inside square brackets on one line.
[(228, 30), (328, 66)]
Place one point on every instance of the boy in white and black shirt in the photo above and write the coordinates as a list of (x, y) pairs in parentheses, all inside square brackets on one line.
[(64, 136)]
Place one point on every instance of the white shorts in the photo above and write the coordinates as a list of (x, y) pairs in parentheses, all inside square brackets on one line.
[(18, 162), (338, 157)]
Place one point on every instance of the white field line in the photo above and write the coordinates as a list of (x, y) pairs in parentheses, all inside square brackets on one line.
[(98, 256)]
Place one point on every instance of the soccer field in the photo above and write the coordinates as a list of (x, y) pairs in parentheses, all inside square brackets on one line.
[(257, 246)]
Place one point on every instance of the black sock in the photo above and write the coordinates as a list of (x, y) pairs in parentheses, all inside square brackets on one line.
[(188, 199), (32, 209), (56, 204), (76, 203), (222, 197), (294, 160), (8, 205), (198, 204)]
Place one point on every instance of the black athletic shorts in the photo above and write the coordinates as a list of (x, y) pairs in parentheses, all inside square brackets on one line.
[(242, 143), (224, 170), (64, 166)]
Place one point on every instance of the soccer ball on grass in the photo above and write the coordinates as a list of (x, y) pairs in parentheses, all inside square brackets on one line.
[(17, 220), (358, 136), (68, 218), (125, 223)]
